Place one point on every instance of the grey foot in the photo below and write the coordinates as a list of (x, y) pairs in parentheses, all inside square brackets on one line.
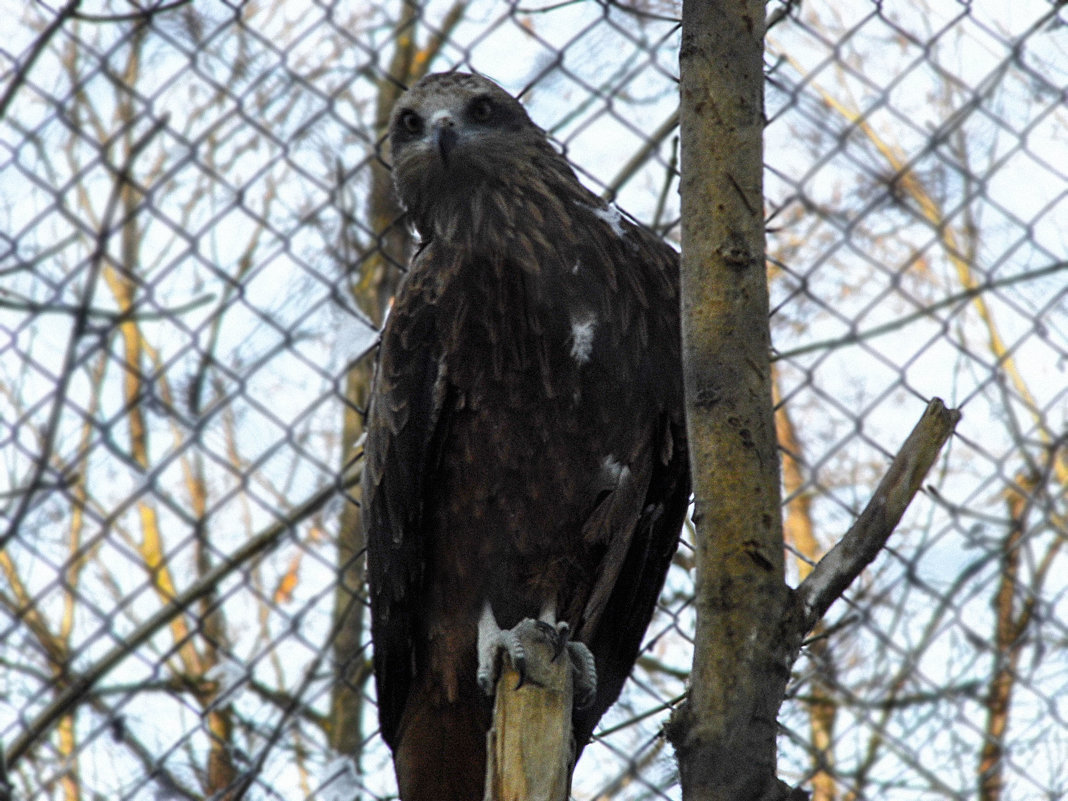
[(493, 644), (583, 666), (584, 672)]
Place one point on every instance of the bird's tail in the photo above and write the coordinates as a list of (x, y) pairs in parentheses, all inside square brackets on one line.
[(440, 753)]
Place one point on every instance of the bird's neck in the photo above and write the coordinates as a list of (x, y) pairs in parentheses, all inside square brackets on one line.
[(529, 213)]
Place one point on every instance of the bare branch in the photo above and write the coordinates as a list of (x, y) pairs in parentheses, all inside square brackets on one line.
[(972, 292), (867, 536), (141, 15), (643, 154), (113, 318)]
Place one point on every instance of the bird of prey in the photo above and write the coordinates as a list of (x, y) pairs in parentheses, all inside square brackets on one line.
[(526, 453)]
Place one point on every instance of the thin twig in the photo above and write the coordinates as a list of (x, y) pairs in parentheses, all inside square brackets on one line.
[(39, 46), (130, 315), (652, 142), (289, 711), (134, 16), (970, 293)]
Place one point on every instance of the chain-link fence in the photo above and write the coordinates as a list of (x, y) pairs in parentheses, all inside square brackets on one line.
[(198, 240)]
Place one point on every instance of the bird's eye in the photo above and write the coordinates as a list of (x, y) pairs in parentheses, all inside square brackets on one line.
[(481, 109), (411, 122)]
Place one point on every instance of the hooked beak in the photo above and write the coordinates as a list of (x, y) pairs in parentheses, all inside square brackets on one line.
[(444, 135)]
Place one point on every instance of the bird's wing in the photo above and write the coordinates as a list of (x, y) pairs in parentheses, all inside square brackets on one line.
[(644, 520), (402, 419), (640, 519)]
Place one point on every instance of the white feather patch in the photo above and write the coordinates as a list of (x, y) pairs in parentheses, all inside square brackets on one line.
[(613, 470), (439, 116), (582, 338), (609, 215)]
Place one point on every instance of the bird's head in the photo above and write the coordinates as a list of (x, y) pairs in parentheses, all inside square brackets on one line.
[(454, 137)]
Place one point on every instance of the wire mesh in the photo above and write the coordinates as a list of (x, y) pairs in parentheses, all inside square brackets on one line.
[(197, 241)]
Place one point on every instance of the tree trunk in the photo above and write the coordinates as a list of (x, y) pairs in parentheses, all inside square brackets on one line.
[(724, 734)]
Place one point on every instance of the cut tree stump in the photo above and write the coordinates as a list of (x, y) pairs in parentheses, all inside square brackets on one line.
[(529, 748)]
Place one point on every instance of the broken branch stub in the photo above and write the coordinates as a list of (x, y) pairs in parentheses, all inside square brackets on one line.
[(529, 748)]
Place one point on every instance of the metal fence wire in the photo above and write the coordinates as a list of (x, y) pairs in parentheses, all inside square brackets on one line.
[(197, 240)]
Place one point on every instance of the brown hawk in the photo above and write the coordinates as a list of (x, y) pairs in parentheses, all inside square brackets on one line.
[(525, 452)]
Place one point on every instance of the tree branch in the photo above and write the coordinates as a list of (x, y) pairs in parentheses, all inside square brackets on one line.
[(141, 15), (926, 312), (644, 153), (867, 536), (39, 46), (109, 317)]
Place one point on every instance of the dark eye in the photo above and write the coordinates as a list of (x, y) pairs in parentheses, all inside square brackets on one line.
[(481, 109), (410, 122)]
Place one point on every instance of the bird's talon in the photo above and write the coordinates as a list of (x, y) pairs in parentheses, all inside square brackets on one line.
[(585, 673), (494, 644), (561, 639), (518, 658)]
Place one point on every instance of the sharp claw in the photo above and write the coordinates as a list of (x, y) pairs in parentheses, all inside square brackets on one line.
[(561, 639), (494, 644), (519, 662)]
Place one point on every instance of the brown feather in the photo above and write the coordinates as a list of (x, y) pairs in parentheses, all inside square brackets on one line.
[(525, 435)]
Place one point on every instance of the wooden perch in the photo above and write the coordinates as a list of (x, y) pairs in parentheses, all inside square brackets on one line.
[(867, 536), (529, 748)]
